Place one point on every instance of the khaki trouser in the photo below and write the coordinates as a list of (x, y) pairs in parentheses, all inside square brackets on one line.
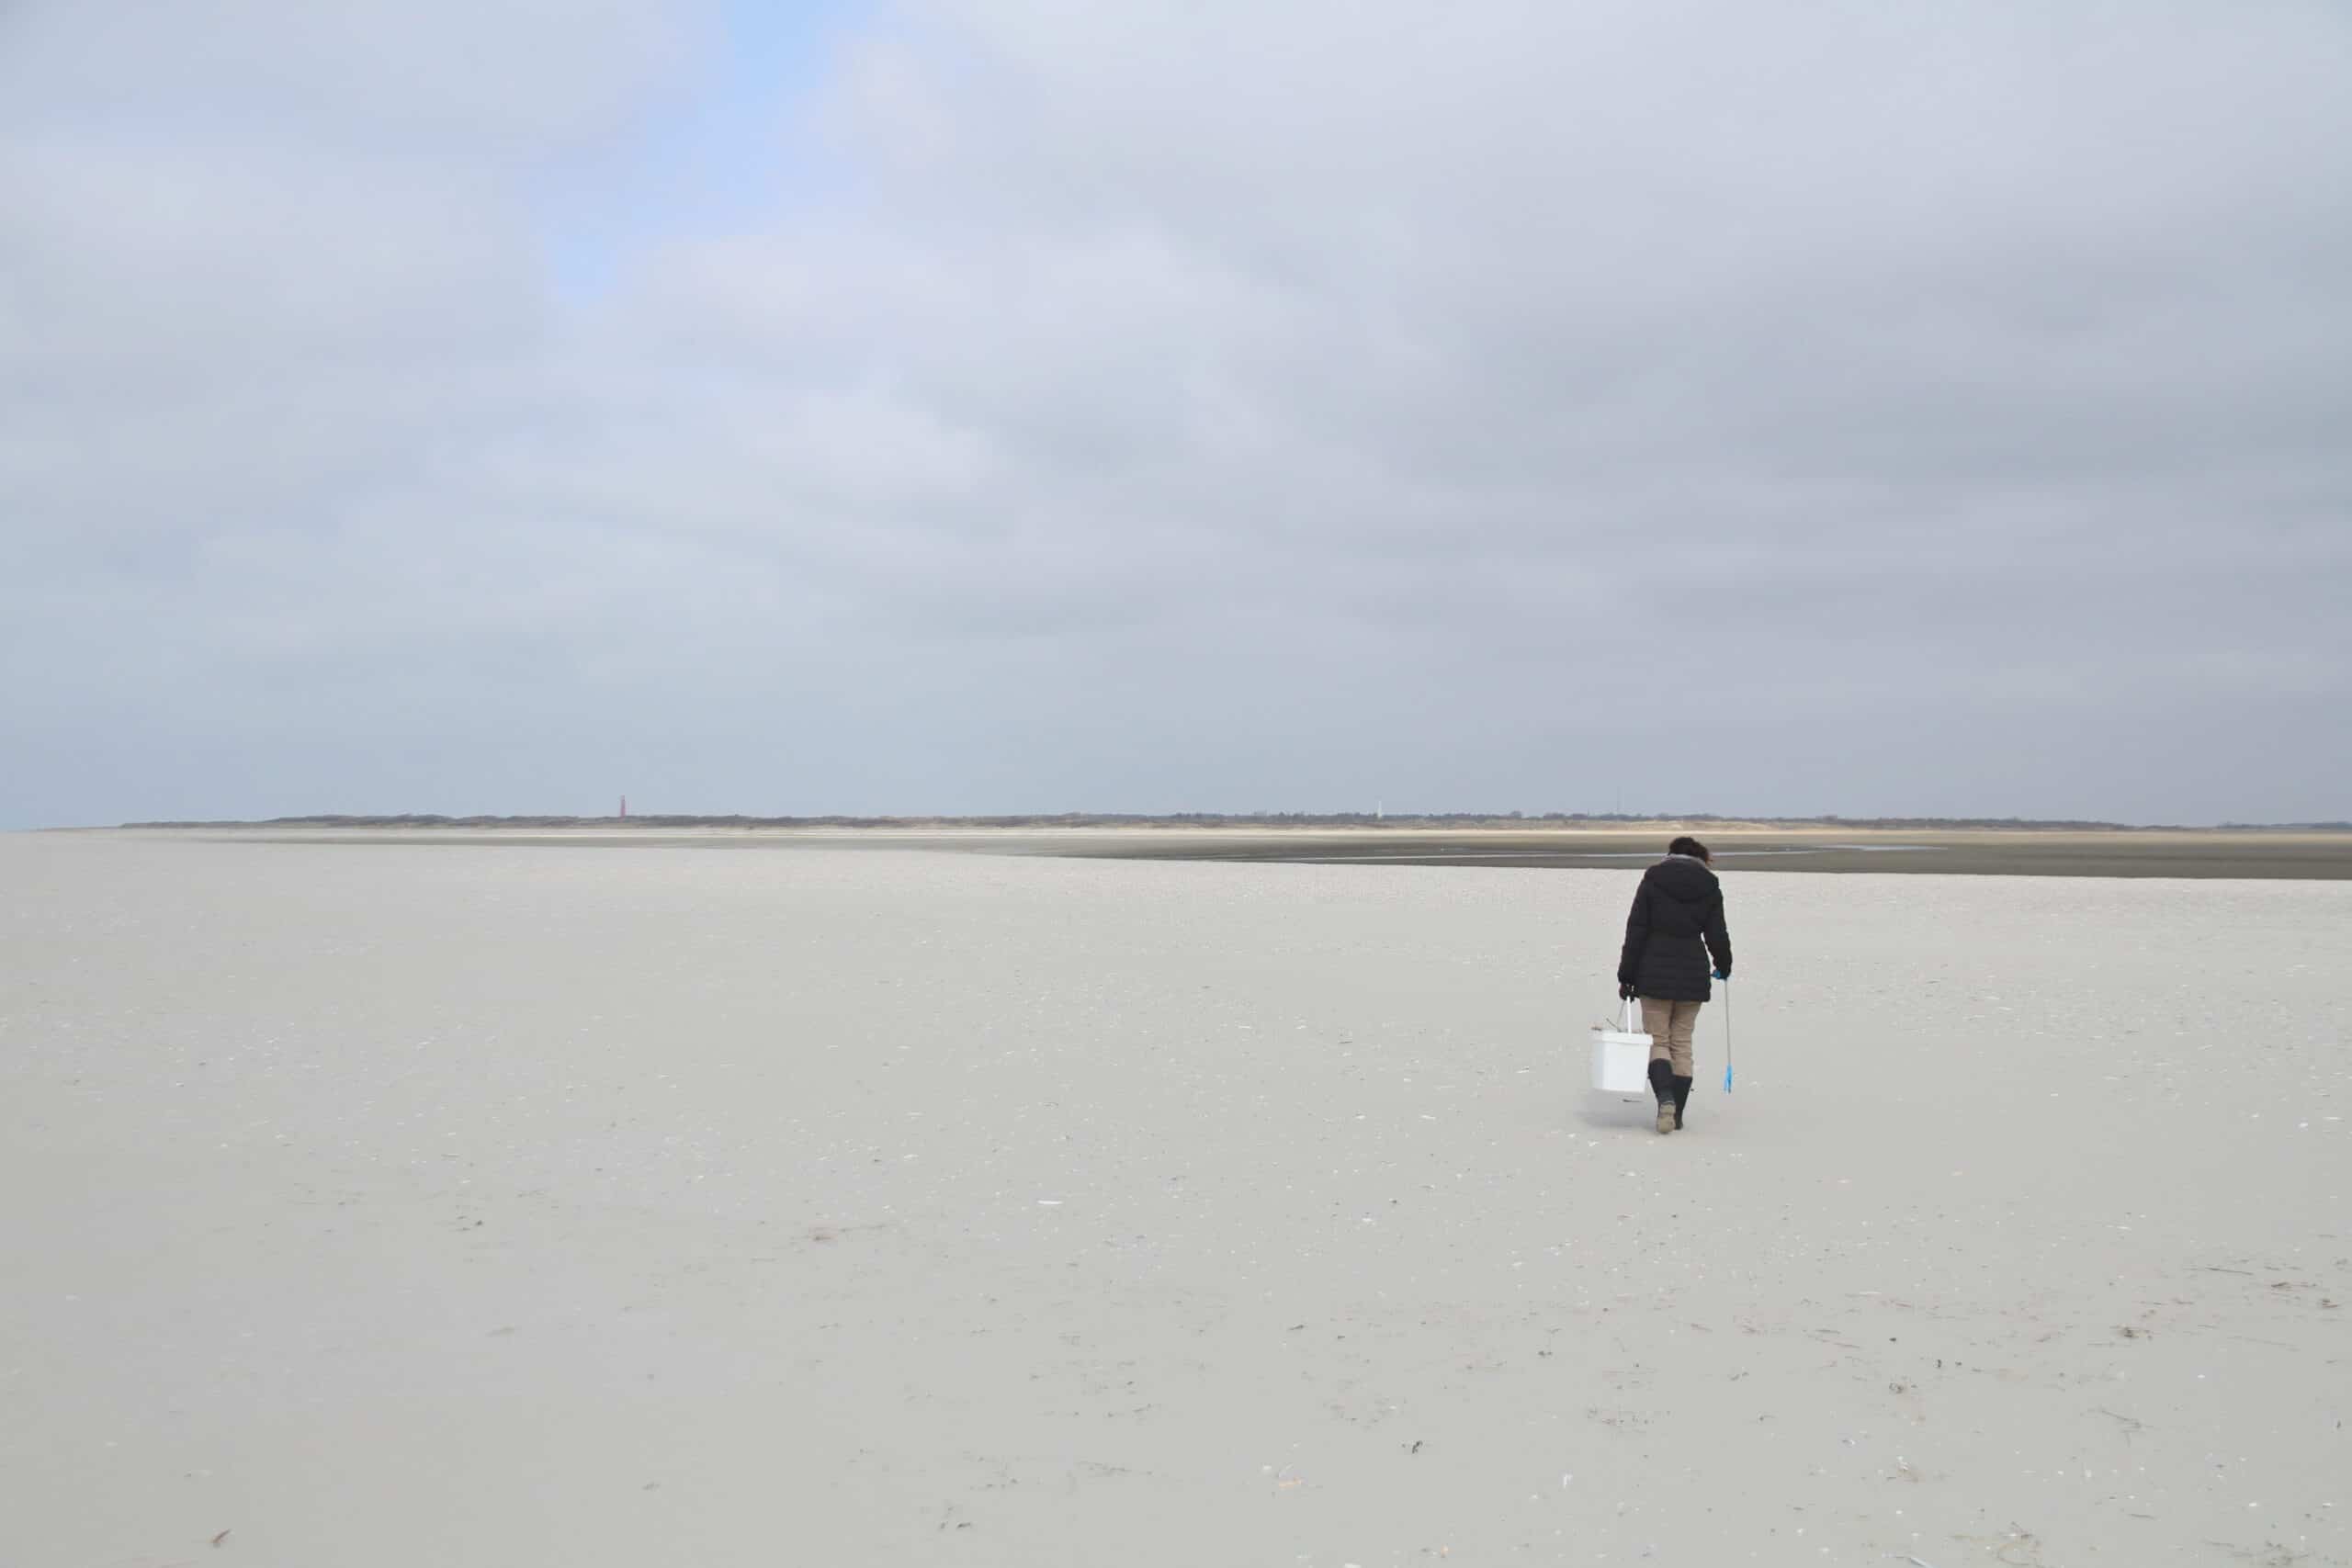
[(1669, 1025)]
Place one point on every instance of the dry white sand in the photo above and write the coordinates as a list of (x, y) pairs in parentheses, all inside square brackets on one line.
[(415, 1205)]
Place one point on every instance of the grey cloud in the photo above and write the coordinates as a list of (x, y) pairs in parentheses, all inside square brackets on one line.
[(1758, 409), (378, 77)]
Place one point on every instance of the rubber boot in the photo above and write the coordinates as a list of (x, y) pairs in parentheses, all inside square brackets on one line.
[(1662, 1086), (1681, 1098)]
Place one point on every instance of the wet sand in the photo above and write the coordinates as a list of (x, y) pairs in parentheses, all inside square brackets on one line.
[(2300, 856), (460, 1205)]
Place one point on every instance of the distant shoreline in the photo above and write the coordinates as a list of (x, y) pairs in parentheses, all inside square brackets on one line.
[(1273, 821), (2314, 853)]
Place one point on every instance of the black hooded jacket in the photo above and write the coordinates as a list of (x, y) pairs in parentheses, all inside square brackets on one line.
[(1676, 925)]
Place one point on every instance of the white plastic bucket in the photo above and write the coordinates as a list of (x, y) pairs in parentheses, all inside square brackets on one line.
[(1620, 1057)]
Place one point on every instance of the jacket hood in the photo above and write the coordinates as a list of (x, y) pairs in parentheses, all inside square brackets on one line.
[(1686, 880)]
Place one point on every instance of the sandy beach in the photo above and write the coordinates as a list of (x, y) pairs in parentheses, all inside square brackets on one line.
[(472, 1206)]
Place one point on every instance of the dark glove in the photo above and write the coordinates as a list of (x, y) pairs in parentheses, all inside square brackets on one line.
[(1724, 975), (1625, 990)]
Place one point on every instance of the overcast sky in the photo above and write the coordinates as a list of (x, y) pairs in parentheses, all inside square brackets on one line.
[(1029, 406)]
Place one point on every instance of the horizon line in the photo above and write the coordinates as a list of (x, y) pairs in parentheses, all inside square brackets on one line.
[(1198, 818)]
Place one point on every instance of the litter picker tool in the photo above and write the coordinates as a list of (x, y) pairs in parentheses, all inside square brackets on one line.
[(1726, 1034)]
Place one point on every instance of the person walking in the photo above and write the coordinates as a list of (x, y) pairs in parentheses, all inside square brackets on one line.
[(1676, 927)]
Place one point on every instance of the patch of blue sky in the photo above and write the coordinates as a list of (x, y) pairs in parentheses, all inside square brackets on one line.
[(725, 145)]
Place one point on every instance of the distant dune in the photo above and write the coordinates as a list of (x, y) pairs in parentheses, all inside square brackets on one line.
[(1451, 822)]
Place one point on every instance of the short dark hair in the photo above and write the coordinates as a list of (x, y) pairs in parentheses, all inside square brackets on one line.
[(1689, 846)]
